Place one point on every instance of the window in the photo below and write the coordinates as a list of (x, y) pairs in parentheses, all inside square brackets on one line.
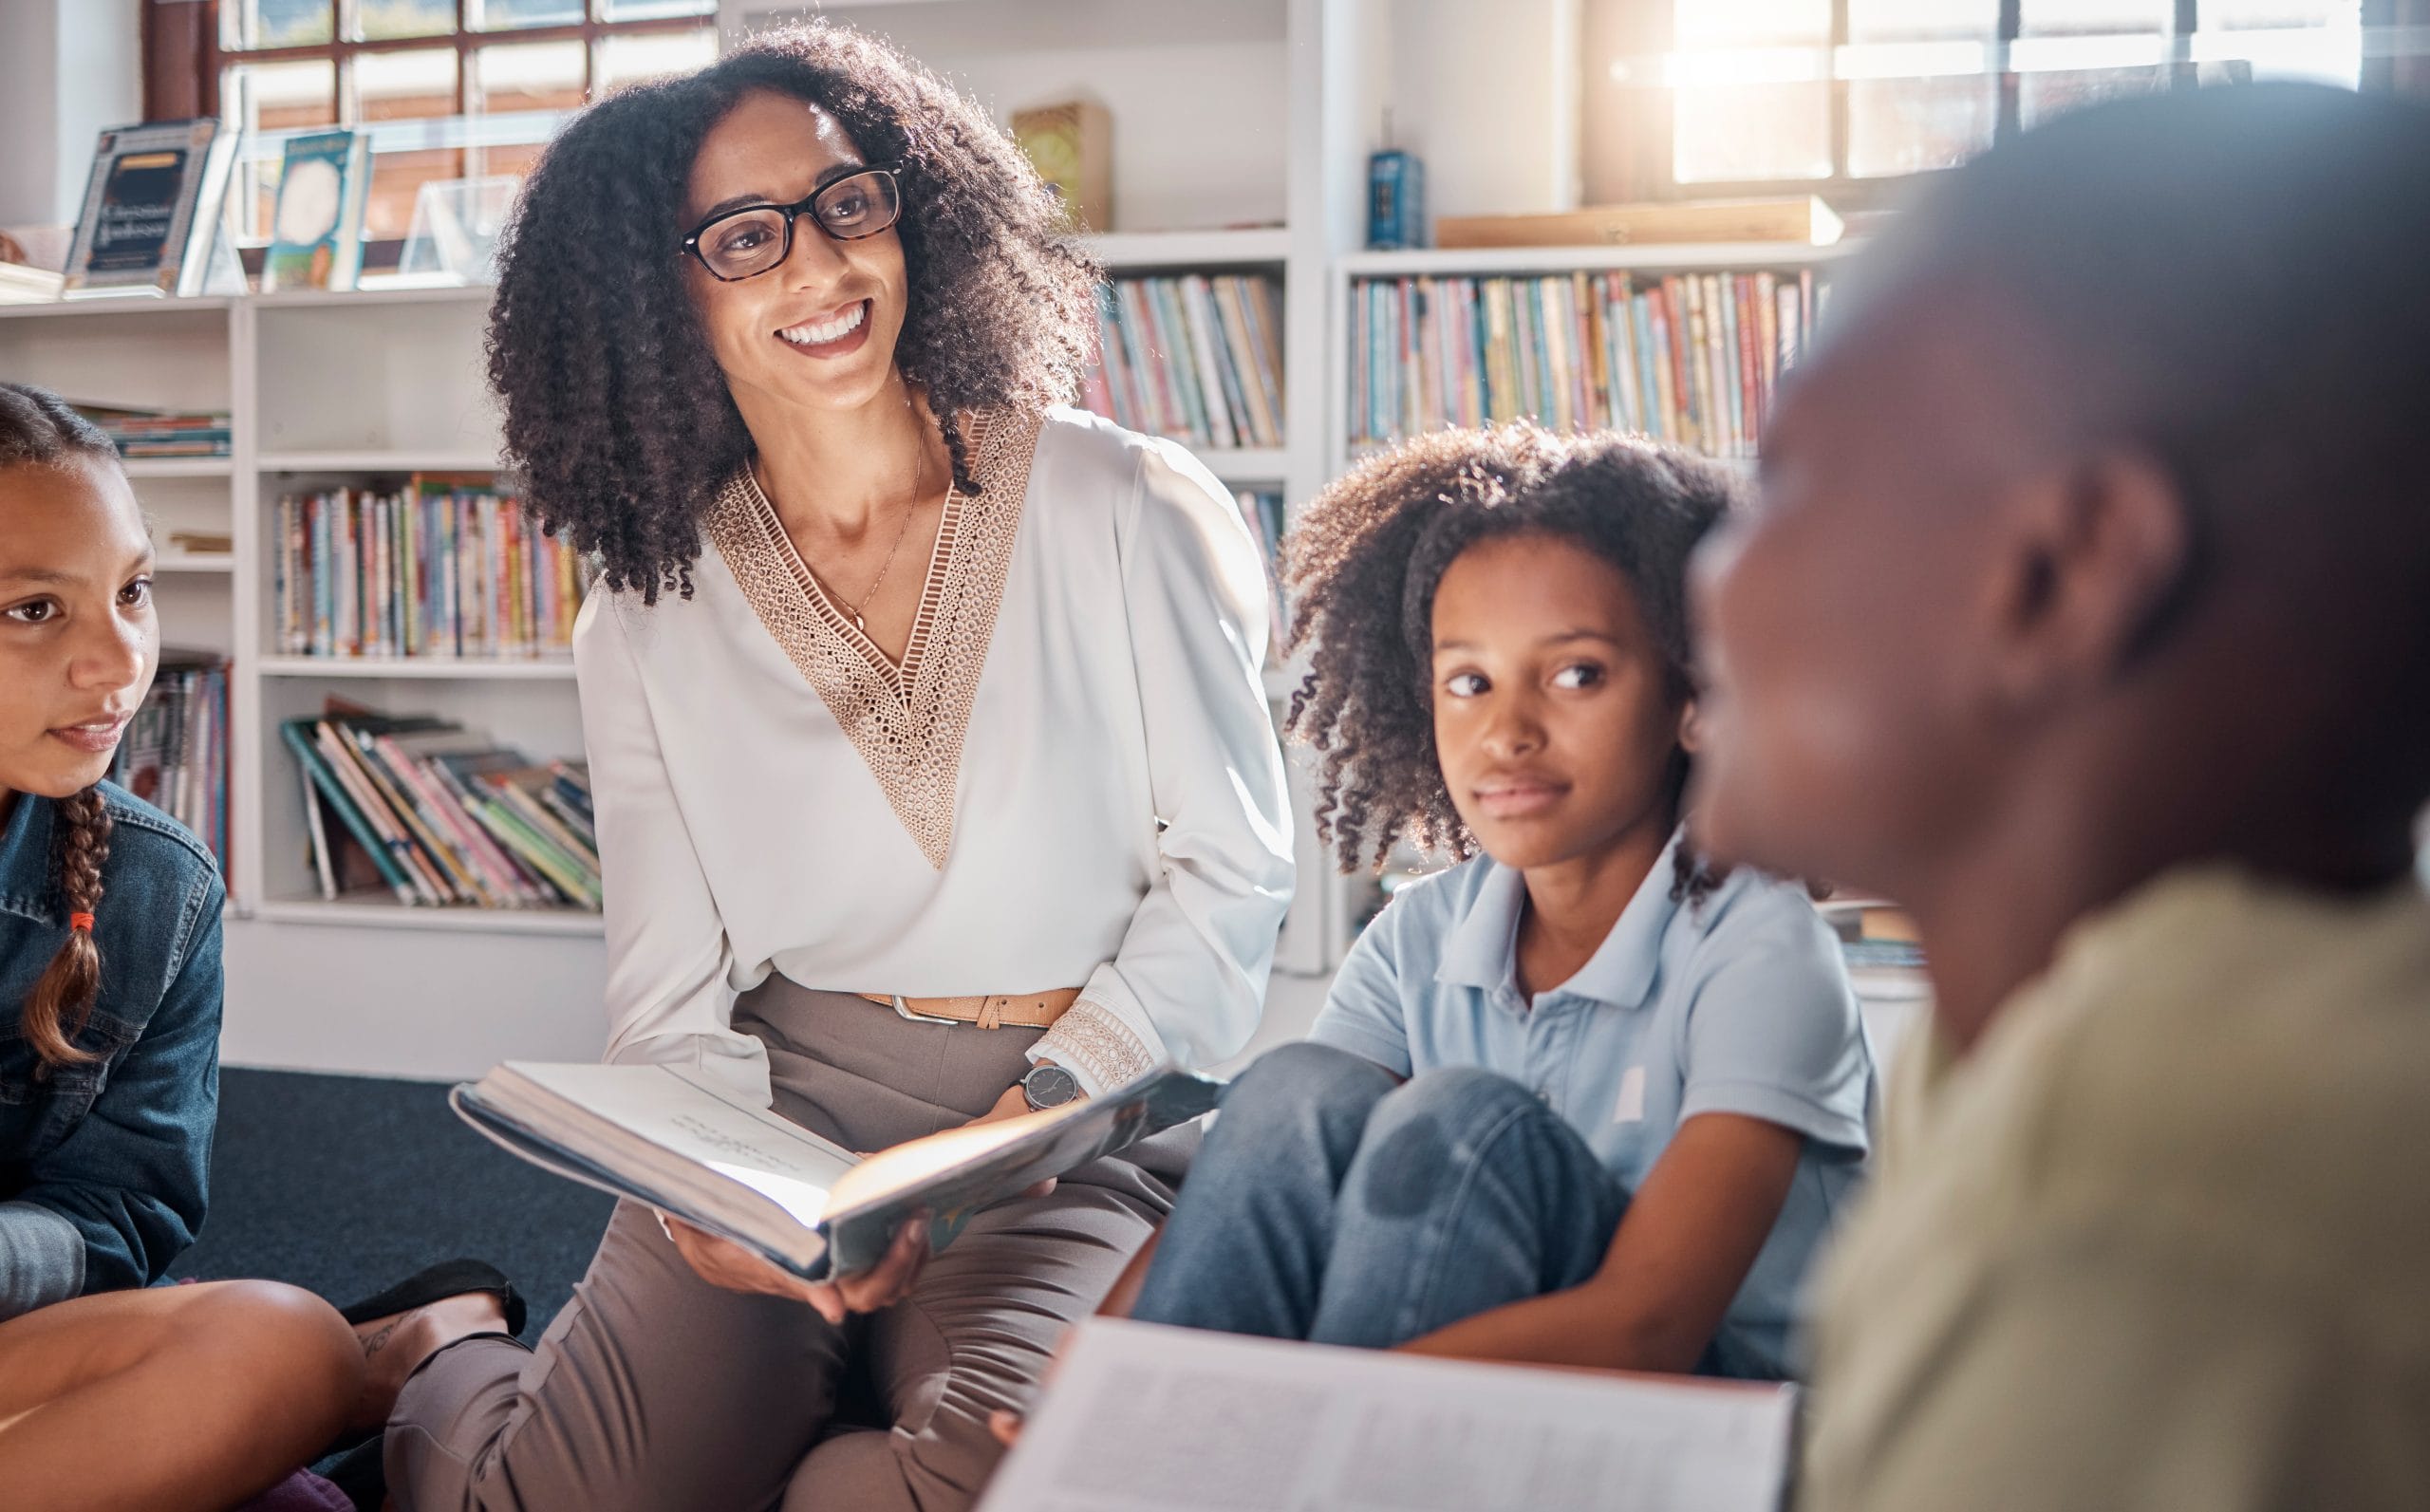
[(447, 89), (1780, 94)]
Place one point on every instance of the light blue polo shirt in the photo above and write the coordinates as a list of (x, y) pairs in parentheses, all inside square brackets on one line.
[(1737, 1004)]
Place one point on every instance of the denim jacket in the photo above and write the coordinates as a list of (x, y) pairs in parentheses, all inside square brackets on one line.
[(120, 1148)]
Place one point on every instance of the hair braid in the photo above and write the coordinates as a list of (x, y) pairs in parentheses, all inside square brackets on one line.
[(62, 1001)]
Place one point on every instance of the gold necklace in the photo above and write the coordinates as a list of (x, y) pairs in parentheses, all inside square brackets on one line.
[(900, 532), (919, 491)]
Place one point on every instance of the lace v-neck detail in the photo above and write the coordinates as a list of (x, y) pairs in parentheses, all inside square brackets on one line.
[(909, 720), (838, 618)]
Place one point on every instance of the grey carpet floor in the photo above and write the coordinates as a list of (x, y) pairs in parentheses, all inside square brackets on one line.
[(342, 1185)]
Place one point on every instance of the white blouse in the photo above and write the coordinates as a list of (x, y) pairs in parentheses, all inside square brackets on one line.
[(1074, 780)]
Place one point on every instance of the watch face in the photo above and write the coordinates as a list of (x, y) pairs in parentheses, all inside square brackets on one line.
[(1049, 1087)]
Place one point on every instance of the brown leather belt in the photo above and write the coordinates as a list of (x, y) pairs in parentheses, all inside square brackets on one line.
[(1004, 1010)]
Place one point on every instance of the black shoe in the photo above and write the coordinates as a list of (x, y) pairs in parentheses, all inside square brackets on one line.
[(361, 1474), (451, 1278), (456, 1277)]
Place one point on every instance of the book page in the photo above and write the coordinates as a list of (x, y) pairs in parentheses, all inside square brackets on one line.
[(685, 1117), (1149, 1419), (952, 1174)]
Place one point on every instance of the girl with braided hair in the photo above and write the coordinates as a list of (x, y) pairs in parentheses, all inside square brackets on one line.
[(936, 781), (113, 1394)]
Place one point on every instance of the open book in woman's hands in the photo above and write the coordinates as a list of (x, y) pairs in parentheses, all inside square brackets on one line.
[(681, 1141)]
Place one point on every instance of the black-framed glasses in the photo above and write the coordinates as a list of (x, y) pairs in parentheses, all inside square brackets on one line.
[(747, 242)]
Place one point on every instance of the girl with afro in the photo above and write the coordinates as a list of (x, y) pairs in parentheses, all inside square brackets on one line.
[(1578, 1100)]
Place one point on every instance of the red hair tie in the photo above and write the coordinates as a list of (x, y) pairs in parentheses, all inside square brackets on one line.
[(81, 923)]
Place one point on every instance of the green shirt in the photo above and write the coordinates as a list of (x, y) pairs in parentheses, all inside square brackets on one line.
[(2163, 1239)]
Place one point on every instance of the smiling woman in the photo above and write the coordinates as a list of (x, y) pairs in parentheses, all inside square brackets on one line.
[(989, 306), (934, 773)]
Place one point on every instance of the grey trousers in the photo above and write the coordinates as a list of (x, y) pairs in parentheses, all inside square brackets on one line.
[(655, 1392)]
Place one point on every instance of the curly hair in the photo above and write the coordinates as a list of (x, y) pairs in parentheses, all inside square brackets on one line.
[(37, 429), (1363, 565), (618, 421)]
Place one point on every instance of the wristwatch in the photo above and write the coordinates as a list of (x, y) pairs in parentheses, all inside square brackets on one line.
[(1048, 1085)]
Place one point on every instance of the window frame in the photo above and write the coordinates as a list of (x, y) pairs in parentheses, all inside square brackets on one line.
[(464, 40), (1846, 192), (184, 61), (183, 57)]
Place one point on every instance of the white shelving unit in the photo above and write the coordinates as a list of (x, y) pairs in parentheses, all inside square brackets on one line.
[(1242, 133), (1698, 256), (375, 913), (153, 469)]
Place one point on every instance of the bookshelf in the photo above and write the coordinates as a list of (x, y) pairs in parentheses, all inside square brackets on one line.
[(1241, 132)]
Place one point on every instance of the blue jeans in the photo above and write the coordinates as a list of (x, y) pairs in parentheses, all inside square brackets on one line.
[(1333, 1204)]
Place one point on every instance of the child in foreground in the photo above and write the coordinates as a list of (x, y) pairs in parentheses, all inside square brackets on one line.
[(1580, 1100), (2087, 613)]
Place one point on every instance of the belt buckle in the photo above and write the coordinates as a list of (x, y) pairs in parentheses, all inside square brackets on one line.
[(905, 1009)]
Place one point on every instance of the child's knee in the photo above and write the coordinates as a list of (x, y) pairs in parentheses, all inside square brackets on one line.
[(257, 1320), (1459, 1097), (1304, 1075), (1429, 1130)]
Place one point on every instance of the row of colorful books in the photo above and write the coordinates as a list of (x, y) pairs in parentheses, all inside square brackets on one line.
[(1261, 508), (140, 433), (440, 815), (1692, 357), (1195, 357), (448, 567), (174, 754)]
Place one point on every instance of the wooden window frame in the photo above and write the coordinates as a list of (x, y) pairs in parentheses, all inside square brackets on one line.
[(183, 62), (1871, 193), (186, 44)]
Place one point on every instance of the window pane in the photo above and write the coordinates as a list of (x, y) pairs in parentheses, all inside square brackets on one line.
[(651, 9), (278, 23), (533, 76), (1742, 133), (1909, 125), (1922, 20), (2216, 14), (496, 15), (258, 97), (1749, 100), (1747, 22), (404, 86), (2077, 18), (2319, 39), (652, 54), (514, 162), (376, 20), (1917, 94), (2080, 52), (396, 177)]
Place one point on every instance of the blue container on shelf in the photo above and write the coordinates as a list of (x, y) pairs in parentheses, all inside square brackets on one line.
[(1395, 201)]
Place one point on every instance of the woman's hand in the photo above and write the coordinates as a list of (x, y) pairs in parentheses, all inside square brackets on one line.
[(723, 1263), (1013, 1104)]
